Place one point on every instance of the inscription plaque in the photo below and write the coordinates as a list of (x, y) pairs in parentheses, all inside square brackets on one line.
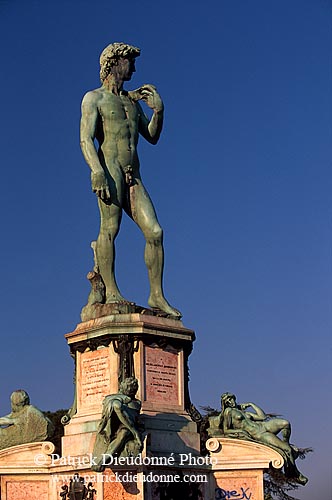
[(94, 378), (162, 375)]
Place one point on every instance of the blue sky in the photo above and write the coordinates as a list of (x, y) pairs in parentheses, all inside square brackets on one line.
[(241, 182)]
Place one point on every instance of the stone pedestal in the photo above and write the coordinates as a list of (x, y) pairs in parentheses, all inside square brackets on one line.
[(23, 476), (233, 470), (237, 468), (106, 350), (153, 349)]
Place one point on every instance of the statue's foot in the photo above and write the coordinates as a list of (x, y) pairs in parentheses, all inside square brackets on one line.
[(301, 479), (112, 297), (158, 302)]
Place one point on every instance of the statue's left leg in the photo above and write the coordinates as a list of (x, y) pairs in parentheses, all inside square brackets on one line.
[(142, 211), (270, 439)]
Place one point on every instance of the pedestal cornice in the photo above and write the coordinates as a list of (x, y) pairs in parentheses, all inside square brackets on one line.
[(101, 330)]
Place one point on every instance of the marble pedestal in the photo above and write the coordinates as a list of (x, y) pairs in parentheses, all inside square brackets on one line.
[(235, 471), (237, 468), (153, 349)]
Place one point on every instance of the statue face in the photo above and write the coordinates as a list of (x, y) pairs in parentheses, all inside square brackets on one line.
[(230, 401), (126, 68), (132, 389)]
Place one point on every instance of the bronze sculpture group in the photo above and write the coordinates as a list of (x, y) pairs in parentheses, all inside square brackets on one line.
[(114, 118), (25, 423), (118, 433), (235, 421)]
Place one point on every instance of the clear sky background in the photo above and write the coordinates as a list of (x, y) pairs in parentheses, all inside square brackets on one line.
[(241, 180)]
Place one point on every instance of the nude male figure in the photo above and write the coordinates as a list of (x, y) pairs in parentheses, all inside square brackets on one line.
[(118, 430), (115, 118)]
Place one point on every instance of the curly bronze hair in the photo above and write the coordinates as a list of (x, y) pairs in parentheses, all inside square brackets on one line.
[(128, 385), (112, 53)]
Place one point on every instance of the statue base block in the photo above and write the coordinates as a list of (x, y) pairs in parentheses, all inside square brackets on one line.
[(234, 469), (153, 349), (238, 467)]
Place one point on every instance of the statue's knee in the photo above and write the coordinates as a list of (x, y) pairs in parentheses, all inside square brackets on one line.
[(109, 231), (155, 233)]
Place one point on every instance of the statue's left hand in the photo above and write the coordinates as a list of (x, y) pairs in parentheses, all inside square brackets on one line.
[(151, 97), (244, 406)]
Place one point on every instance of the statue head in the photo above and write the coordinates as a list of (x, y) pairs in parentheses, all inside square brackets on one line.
[(129, 386), (19, 399), (228, 400), (112, 54)]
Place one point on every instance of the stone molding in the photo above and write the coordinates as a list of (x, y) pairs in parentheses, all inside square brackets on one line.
[(23, 457), (239, 454)]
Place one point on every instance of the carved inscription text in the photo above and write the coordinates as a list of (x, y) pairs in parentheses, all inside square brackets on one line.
[(95, 383), (162, 375)]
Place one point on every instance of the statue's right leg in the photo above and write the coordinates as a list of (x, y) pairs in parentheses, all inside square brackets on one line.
[(110, 218), (276, 425), (118, 443)]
